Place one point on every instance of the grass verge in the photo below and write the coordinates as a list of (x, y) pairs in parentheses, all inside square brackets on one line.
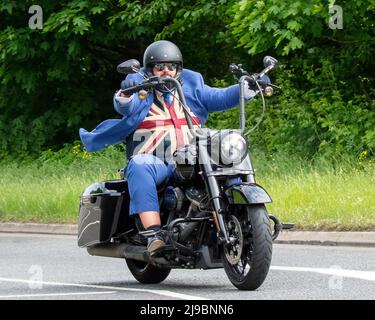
[(323, 196), (315, 195)]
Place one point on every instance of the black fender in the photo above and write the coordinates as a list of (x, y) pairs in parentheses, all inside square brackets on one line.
[(247, 194)]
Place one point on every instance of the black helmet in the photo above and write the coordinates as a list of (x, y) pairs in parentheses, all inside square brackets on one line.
[(162, 51)]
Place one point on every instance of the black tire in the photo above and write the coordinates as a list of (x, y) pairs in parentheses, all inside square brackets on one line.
[(256, 250), (147, 273)]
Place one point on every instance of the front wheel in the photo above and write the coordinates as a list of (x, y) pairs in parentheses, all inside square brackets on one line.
[(247, 258)]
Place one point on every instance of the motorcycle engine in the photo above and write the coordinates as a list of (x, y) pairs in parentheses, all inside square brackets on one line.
[(173, 198)]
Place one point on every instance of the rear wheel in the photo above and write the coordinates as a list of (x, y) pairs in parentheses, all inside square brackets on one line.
[(147, 273), (247, 258)]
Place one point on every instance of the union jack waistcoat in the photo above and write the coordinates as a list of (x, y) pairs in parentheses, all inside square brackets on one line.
[(162, 131)]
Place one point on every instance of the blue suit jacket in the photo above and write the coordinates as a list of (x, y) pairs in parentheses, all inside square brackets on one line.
[(200, 98)]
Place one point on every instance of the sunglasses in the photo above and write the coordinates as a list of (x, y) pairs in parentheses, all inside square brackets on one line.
[(170, 65)]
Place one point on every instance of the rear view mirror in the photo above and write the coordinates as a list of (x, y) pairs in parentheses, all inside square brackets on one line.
[(269, 61), (129, 66)]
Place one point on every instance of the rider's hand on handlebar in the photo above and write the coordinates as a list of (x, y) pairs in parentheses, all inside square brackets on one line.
[(263, 82), (127, 83), (251, 88)]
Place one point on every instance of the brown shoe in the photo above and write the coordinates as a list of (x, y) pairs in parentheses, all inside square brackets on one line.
[(155, 243)]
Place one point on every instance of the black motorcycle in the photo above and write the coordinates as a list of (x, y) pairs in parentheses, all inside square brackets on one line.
[(213, 215)]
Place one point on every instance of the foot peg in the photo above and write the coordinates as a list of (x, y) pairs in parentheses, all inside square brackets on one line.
[(278, 226), (287, 226)]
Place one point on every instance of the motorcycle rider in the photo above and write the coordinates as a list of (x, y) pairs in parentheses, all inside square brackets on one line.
[(153, 128)]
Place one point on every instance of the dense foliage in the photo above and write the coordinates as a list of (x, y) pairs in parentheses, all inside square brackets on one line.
[(62, 77), (327, 103)]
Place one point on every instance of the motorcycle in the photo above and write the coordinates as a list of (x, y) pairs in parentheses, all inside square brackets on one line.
[(213, 216)]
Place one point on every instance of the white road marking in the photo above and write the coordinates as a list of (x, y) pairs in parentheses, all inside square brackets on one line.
[(54, 294), (159, 292), (364, 275)]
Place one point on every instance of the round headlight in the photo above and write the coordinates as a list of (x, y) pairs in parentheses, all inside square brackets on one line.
[(233, 148)]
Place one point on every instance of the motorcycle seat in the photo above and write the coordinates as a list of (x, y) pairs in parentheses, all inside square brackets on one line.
[(120, 185)]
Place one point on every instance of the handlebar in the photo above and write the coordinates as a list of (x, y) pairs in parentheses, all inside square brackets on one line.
[(239, 73), (263, 88), (151, 82), (131, 90)]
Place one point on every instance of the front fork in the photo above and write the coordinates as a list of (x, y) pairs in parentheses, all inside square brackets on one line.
[(214, 193)]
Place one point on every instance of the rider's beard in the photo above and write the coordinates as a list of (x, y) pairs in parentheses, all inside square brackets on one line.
[(165, 75)]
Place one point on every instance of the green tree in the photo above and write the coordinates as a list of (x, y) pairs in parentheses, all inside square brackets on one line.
[(62, 77), (327, 75)]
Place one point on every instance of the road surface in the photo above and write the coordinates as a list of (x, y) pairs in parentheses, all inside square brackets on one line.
[(53, 267)]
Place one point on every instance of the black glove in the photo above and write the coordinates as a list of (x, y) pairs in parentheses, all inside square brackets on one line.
[(251, 84), (128, 83), (252, 89), (263, 82)]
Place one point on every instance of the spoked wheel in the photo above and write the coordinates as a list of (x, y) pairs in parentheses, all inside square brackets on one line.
[(247, 258), (147, 273)]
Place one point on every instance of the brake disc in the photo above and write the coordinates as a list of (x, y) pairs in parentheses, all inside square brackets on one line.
[(233, 250)]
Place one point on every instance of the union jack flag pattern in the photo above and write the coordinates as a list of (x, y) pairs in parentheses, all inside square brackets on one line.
[(162, 131)]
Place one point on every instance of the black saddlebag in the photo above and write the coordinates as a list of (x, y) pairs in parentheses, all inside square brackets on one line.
[(103, 212)]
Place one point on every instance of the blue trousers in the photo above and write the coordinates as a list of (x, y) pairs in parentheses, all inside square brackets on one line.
[(144, 174)]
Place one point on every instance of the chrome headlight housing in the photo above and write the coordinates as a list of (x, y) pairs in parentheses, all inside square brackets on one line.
[(228, 148), (233, 148)]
